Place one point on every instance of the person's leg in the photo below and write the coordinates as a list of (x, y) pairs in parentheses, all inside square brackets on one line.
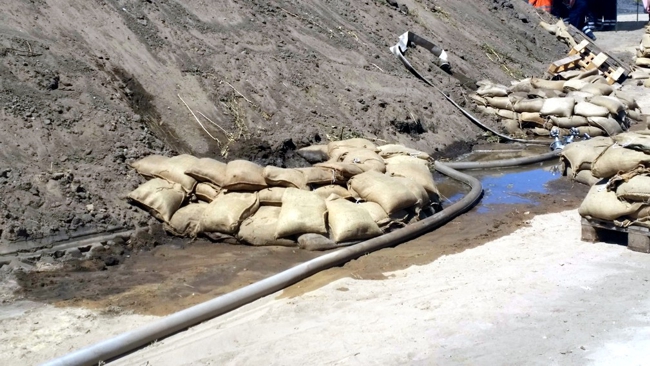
[(577, 14)]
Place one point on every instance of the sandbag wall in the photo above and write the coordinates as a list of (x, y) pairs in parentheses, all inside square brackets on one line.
[(621, 192), (581, 99), (354, 190), (643, 59)]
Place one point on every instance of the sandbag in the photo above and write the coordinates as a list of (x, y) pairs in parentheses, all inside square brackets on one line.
[(635, 114), (345, 170), (259, 229), (226, 213), (639, 74), (389, 193), (186, 221), (637, 189), (336, 149), (609, 125), (206, 192), (591, 131), (315, 242), (581, 154), (302, 212), (568, 122), (486, 110), (243, 175), (387, 151), (492, 91), (522, 86), (587, 109), (580, 96), (598, 89), (535, 118), (419, 173), (647, 83), (271, 196), (504, 113), (314, 153), (326, 191), (634, 141), (643, 61), (512, 126), (479, 100), (282, 177), (404, 159), (562, 107), (645, 44), (173, 170), (539, 131), (585, 177), (348, 221), (417, 190), (567, 75), (547, 84), (160, 197), (319, 175), (529, 105), (603, 204), (208, 170), (500, 102), (616, 159), (365, 159), (149, 166), (613, 104), (574, 84), (627, 99)]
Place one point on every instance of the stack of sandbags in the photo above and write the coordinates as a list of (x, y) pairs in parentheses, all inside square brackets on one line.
[(354, 191), (582, 100), (643, 60), (578, 157), (623, 193)]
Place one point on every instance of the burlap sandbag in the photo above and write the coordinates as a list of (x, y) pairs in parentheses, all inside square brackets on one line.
[(645, 45), (640, 74), (174, 169), (314, 153), (627, 99), (574, 84), (486, 110), (635, 114), (319, 175), (348, 221), (561, 107), (418, 173), (404, 159), (539, 131), (585, 177), (647, 83), (603, 204), (500, 102), (228, 211), (611, 126), (637, 189), (580, 155), (206, 192), (479, 100), (243, 175), (504, 113), (613, 104), (529, 105), (547, 84), (302, 212), (326, 191), (271, 196), (598, 89), (186, 221), (315, 242), (283, 177), (568, 75), (580, 96), (259, 229), (148, 167), (417, 190), (521, 86), (534, 118), (633, 141), (512, 126), (587, 109), (160, 197), (616, 159), (568, 122), (345, 170), (389, 193), (592, 131), (365, 159), (642, 61), (208, 170), (387, 151), (492, 91), (336, 149)]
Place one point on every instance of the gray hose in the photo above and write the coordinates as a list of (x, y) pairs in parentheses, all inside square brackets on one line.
[(467, 165), (184, 319), (465, 112)]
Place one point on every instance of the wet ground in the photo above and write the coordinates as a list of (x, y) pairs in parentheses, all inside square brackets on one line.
[(174, 276)]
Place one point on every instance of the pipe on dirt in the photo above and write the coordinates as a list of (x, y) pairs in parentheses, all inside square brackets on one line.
[(184, 319)]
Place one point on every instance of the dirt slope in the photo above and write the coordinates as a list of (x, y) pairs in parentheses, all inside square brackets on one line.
[(88, 86)]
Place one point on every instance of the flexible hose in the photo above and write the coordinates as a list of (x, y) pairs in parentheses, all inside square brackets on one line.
[(467, 165), (184, 319), (465, 112)]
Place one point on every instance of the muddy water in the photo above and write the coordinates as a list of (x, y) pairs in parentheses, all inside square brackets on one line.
[(172, 277)]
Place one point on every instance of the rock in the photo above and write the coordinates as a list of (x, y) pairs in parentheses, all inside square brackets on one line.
[(73, 253), (17, 264), (522, 17)]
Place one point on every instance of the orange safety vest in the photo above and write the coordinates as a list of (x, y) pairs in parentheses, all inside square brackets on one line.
[(542, 4)]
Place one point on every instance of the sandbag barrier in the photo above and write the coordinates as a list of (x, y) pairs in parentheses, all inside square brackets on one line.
[(581, 100), (354, 191), (642, 59), (619, 171)]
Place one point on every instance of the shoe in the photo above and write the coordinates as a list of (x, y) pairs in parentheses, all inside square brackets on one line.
[(590, 34)]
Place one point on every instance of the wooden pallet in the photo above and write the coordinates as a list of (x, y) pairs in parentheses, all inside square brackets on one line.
[(583, 56), (638, 237)]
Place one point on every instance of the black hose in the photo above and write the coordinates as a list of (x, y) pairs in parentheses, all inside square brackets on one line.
[(467, 165)]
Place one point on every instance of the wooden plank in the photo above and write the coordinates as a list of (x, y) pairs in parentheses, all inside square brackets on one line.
[(600, 59), (581, 46), (567, 60)]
